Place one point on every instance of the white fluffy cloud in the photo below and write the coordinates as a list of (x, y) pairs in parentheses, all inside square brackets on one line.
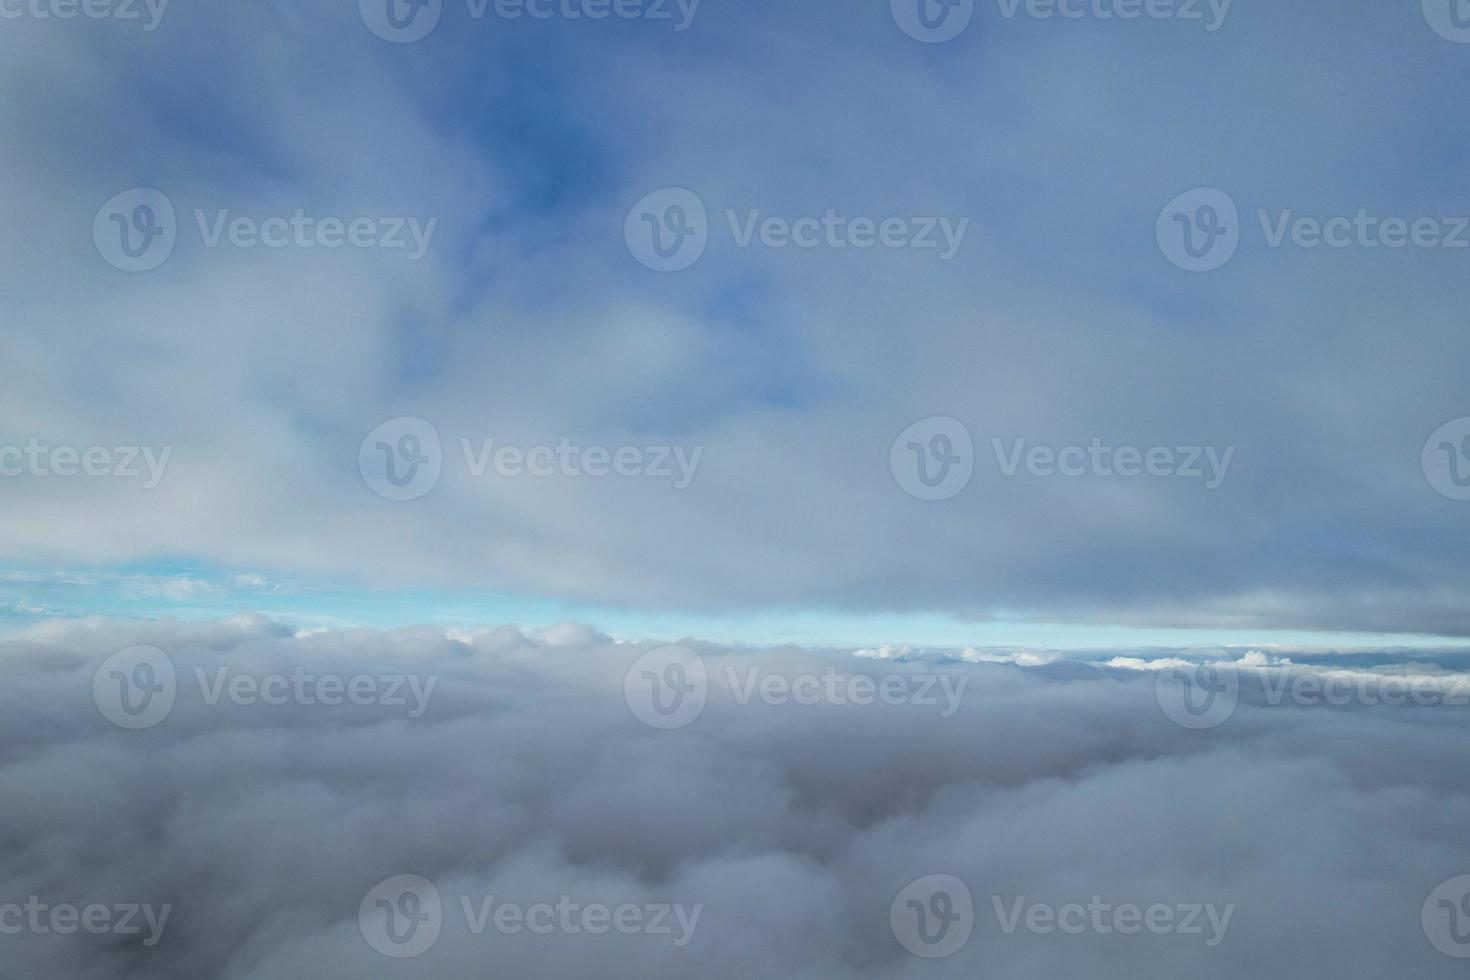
[(793, 826)]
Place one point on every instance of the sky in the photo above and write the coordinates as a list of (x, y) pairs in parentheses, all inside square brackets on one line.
[(884, 488), (815, 430)]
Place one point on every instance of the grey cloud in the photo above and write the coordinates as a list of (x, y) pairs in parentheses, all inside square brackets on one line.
[(792, 826)]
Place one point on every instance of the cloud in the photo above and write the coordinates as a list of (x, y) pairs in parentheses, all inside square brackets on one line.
[(793, 826), (528, 321)]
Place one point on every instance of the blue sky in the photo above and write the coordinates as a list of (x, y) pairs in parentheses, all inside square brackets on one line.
[(522, 151)]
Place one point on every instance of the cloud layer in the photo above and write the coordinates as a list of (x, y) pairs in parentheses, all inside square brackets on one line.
[(793, 822), (1058, 321)]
